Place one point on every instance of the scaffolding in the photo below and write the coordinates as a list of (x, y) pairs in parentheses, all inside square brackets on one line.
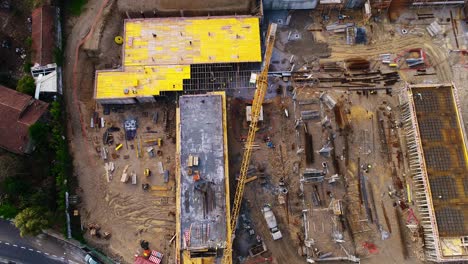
[(436, 142), (221, 76), (419, 3), (193, 55), (182, 41)]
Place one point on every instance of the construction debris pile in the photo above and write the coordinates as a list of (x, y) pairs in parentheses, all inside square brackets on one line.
[(355, 74)]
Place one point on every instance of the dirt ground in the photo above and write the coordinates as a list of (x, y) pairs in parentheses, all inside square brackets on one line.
[(142, 214), (131, 214), (123, 209), (361, 236), (14, 30)]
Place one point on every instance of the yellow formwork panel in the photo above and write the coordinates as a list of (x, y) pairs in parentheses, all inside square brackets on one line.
[(141, 81), (451, 247), (182, 41)]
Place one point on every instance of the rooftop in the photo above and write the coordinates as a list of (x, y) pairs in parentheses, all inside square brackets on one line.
[(46, 84), (19, 111), (43, 38), (141, 81), (204, 204), (160, 54), (182, 41)]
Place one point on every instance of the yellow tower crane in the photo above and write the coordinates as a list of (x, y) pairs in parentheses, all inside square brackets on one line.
[(259, 96)]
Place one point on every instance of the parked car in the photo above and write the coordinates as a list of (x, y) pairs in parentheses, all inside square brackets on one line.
[(90, 260)]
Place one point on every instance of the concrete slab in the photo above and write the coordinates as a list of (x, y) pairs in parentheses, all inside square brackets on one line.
[(202, 203)]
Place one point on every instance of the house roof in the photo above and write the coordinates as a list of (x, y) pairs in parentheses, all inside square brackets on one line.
[(43, 37), (46, 84), (18, 111)]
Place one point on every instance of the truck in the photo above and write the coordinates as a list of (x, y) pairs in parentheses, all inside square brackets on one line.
[(271, 222)]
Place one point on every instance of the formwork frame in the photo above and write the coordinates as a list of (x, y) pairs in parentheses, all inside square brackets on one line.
[(220, 76), (417, 165), (226, 73), (418, 169)]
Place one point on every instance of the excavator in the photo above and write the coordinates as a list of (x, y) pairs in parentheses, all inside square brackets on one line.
[(259, 96)]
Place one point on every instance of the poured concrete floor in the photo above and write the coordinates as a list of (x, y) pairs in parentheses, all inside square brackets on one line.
[(203, 210)]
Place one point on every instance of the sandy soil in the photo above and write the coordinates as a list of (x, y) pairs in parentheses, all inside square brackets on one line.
[(124, 210)]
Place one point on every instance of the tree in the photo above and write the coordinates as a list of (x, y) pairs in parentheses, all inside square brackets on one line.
[(39, 133), (10, 165), (55, 111), (31, 221), (8, 210), (26, 85), (15, 186)]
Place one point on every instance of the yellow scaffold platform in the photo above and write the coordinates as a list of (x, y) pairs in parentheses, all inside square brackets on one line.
[(183, 41), (141, 81), (158, 52)]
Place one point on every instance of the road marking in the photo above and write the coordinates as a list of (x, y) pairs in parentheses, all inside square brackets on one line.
[(6, 243), (38, 251), (30, 249), (46, 253), (54, 256), (15, 245), (23, 247)]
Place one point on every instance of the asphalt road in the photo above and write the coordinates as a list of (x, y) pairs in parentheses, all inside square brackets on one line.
[(40, 249), (22, 254)]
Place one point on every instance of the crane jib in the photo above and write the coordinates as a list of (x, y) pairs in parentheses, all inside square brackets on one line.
[(259, 96)]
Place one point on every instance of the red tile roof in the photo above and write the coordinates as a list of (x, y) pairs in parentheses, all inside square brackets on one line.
[(43, 37), (17, 113)]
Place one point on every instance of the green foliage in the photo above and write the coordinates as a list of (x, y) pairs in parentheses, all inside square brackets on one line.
[(27, 65), (31, 221), (58, 56), (61, 167), (39, 198), (76, 6), (8, 210), (34, 3), (55, 111), (26, 85), (6, 79), (28, 43), (14, 186), (55, 160), (39, 133)]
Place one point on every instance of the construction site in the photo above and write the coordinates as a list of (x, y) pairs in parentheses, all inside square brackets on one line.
[(271, 131)]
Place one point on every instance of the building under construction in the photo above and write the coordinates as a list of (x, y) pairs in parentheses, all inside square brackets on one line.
[(203, 210), (438, 160), (181, 54)]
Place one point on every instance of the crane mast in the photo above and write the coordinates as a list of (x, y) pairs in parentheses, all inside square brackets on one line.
[(259, 96)]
